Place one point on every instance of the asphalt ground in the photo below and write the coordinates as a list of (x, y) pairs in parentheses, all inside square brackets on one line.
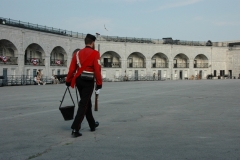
[(182, 120)]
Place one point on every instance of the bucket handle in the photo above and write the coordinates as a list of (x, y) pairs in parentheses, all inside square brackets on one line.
[(64, 96)]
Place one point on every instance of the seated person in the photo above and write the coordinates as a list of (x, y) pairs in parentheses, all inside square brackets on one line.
[(38, 81), (39, 74), (56, 80), (53, 79)]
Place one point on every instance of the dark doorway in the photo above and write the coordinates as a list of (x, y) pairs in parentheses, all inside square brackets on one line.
[(180, 74), (58, 72), (5, 76), (159, 75), (230, 74), (136, 75), (200, 74), (34, 72), (215, 73), (222, 73)]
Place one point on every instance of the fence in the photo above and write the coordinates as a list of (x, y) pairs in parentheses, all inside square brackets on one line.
[(34, 61), (200, 65), (181, 65), (136, 65), (28, 80), (15, 80), (8, 60), (136, 78), (111, 64), (41, 28), (159, 65)]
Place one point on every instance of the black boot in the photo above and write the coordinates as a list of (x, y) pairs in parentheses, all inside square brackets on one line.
[(96, 125), (76, 133)]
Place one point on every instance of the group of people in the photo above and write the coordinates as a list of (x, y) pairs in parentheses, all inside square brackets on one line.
[(38, 79), (158, 76)]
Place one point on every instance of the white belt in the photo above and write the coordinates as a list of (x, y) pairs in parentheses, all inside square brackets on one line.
[(88, 72)]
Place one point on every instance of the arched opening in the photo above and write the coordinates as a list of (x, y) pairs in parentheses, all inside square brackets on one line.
[(58, 57), (136, 60), (159, 60), (201, 61), (34, 55), (8, 53), (181, 61), (110, 59)]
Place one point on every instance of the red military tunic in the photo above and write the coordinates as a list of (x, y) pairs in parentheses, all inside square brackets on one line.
[(92, 65)]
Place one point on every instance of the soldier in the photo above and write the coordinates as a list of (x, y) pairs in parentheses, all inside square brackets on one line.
[(84, 67)]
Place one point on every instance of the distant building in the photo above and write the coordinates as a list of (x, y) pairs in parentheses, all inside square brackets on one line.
[(26, 48)]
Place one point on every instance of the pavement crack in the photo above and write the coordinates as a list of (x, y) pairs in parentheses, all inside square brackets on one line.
[(44, 152), (39, 154)]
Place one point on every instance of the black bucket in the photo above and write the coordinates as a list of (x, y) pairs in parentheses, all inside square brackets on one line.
[(67, 112)]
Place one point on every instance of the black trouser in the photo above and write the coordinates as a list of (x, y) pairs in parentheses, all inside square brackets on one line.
[(85, 89)]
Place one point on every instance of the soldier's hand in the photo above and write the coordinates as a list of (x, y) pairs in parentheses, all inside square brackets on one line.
[(97, 91), (98, 87), (68, 84)]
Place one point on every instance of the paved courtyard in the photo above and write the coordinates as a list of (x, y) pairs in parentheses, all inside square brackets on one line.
[(182, 120)]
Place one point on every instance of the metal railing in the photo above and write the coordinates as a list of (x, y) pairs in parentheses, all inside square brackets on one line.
[(181, 65), (201, 65), (8, 60), (62, 32), (35, 61), (111, 64), (125, 39), (159, 65), (136, 65), (14, 80), (140, 78), (183, 42), (37, 27), (57, 62)]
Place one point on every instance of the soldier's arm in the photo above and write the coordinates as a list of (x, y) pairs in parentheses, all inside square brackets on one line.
[(72, 69), (97, 71)]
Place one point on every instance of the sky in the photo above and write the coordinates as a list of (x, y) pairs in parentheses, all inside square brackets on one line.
[(191, 20)]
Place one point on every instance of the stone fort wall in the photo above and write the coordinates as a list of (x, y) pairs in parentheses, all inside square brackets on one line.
[(131, 58)]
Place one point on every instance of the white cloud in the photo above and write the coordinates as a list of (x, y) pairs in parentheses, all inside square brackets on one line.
[(176, 5)]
